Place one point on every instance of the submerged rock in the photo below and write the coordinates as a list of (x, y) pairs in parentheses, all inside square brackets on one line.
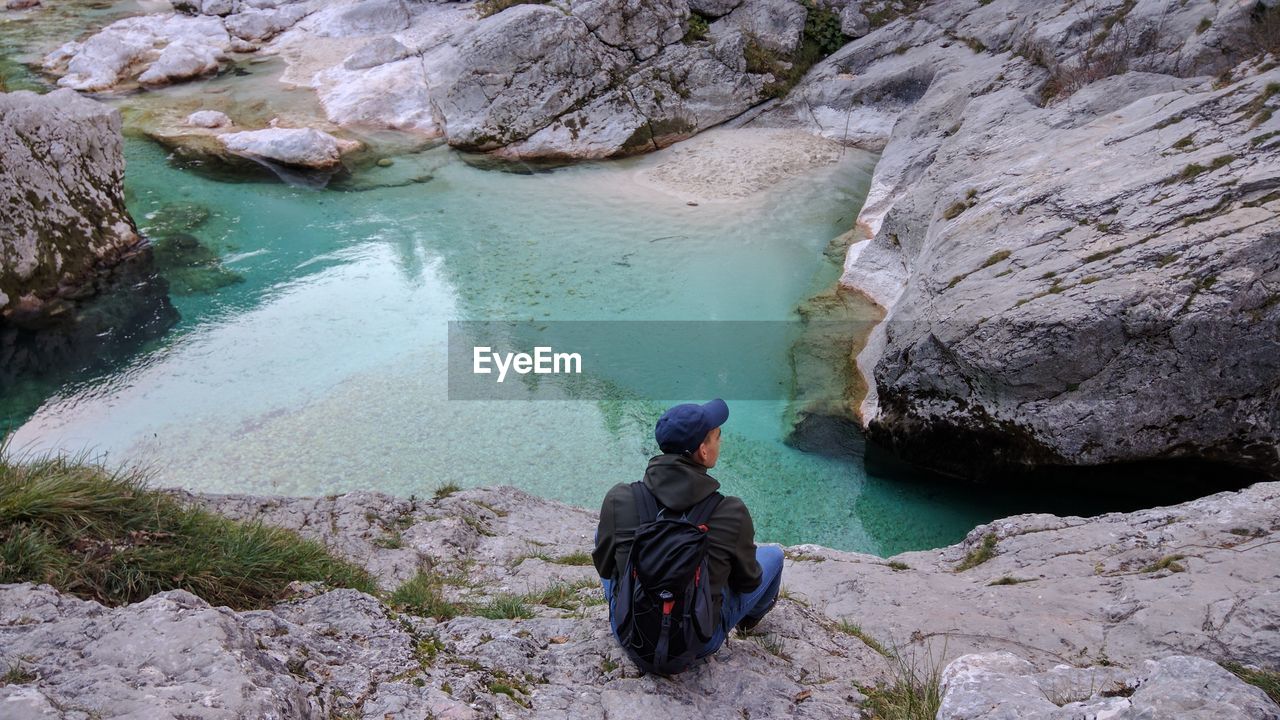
[(178, 217), (190, 266)]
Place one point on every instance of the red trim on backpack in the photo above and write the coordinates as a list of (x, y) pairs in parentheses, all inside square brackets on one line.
[(697, 575), (703, 528), (667, 605)]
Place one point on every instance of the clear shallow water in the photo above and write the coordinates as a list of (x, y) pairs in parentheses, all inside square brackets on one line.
[(323, 369)]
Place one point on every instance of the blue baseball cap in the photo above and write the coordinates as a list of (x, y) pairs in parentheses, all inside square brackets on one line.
[(683, 428)]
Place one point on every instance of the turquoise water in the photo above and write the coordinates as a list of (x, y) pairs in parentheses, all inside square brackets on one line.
[(321, 368)]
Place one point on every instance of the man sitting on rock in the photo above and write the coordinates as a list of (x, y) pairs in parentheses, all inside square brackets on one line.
[(744, 579)]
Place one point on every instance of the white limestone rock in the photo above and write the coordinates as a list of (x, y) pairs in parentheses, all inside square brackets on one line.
[(305, 148), (208, 119), (61, 184), (777, 25)]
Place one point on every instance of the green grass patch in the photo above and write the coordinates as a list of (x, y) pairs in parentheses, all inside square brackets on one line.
[(103, 535), (998, 256), (505, 607), (953, 210), (897, 565), (561, 595), (446, 490), (1267, 680), (16, 674), (915, 692), (574, 558), (849, 628), (1256, 109), (423, 594), (1185, 142), (1194, 170), (391, 541), (980, 554), (1168, 562), (1008, 580), (498, 687)]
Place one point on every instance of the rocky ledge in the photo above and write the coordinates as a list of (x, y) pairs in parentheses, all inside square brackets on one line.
[(1034, 616)]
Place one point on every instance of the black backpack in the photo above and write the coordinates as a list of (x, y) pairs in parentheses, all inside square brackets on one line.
[(663, 603)]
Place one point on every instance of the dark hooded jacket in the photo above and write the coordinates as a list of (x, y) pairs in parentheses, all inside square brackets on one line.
[(679, 483)]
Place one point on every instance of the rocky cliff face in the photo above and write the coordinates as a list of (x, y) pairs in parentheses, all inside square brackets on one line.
[(1073, 228), (1120, 616), (65, 237), (61, 187)]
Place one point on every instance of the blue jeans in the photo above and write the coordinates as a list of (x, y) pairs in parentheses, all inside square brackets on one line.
[(734, 606)]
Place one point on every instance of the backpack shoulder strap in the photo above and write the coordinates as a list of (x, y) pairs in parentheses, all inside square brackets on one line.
[(646, 504), (701, 513)]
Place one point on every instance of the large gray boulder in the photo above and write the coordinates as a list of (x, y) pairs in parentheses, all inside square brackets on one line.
[(61, 187), (305, 148), (519, 70)]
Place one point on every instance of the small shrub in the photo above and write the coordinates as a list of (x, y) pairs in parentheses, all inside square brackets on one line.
[(1113, 47), (980, 554), (915, 692), (446, 490), (697, 29), (576, 558), (1185, 142), (822, 29), (953, 210), (1205, 24), (897, 565), (998, 256), (16, 674)]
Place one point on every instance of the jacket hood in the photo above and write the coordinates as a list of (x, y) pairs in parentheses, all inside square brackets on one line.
[(678, 482)]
